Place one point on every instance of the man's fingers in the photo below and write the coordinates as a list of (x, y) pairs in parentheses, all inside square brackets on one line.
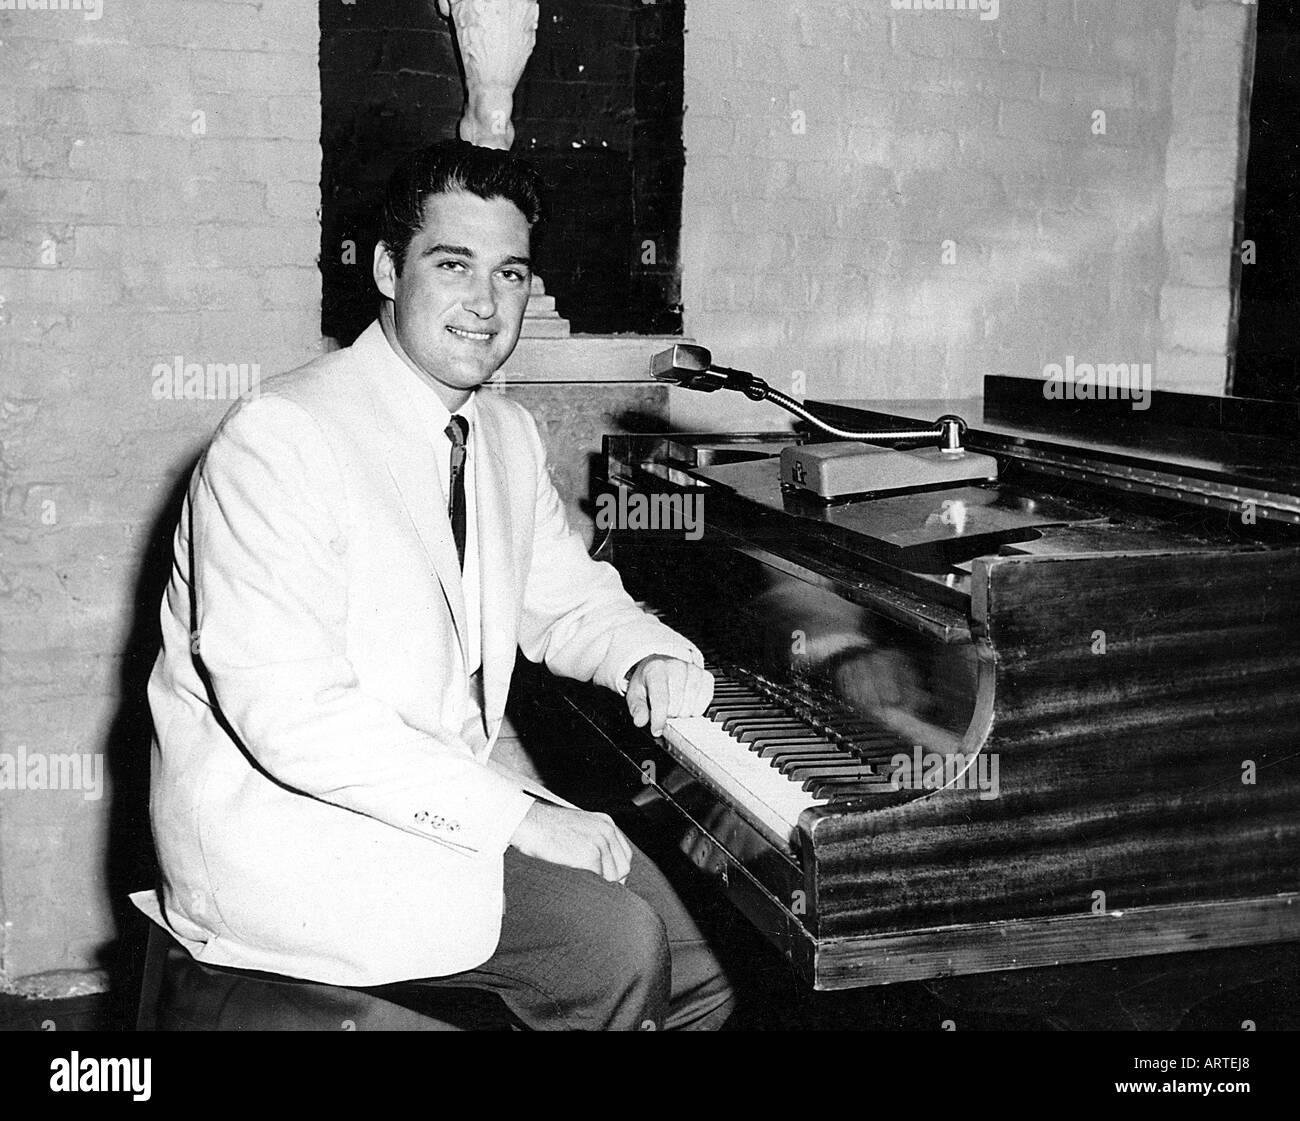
[(652, 687), (675, 687), (591, 859), (622, 860), (620, 847), (660, 696), (664, 688), (623, 851), (701, 691), (608, 865), (636, 700), (616, 863), (614, 850)]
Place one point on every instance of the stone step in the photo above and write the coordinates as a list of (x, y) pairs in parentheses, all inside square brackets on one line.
[(544, 327)]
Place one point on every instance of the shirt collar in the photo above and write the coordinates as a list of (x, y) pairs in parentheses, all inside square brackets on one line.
[(427, 405)]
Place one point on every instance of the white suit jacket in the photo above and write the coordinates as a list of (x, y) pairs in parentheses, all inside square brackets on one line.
[(320, 806)]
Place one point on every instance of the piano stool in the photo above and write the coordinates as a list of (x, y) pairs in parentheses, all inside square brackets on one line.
[(178, 993)]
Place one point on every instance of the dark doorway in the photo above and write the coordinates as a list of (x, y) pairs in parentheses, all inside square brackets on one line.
[(599, 110), (1267, 362)]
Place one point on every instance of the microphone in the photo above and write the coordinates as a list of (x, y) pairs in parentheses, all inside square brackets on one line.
[(691, 367)]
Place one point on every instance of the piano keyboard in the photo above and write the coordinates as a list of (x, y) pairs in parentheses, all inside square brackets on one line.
[(765, 758)]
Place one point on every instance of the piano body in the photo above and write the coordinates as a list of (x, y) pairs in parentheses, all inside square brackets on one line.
[(997, 725)]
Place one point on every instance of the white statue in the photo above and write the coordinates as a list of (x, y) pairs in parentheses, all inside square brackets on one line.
[(496, 37)]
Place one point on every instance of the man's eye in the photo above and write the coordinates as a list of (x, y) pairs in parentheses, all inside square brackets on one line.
[(514, 276), (451, 264)]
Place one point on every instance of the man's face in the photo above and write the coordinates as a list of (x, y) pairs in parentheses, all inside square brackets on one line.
[(457, 308)]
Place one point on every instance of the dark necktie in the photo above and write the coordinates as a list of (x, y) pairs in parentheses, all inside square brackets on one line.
[(457, 431)]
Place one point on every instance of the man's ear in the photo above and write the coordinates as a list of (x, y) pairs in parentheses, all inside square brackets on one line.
[(385, 271)]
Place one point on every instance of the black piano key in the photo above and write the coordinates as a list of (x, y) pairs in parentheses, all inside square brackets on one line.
[(738, 710), (789, 765), (735, 704), (747, 729), (734, 720), (781, 728), (809, 771), (801, 748), (774, 714), (798, 750), (832, 762), (789, 745), (762, 741), (756, 741), (749, 722)]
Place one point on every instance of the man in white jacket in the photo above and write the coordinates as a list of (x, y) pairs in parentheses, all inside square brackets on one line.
[(364, 547)]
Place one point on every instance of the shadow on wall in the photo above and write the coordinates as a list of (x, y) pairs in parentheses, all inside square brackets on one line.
[(129, 859)]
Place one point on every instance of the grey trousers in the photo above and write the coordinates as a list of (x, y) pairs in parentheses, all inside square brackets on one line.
[(579, 953)]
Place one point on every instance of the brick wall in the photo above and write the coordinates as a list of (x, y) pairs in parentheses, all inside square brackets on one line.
[(895, 203), (159, 172)]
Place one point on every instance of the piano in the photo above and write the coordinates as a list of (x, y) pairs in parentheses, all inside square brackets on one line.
[(989, 724)]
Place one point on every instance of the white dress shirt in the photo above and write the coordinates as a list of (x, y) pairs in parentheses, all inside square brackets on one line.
[(435, 416)]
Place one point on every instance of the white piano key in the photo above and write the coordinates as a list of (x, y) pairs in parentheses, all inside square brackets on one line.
[(749, 783)]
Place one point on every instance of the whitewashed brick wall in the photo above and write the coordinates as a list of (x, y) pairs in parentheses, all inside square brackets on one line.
[(896, 203), (159, 185)]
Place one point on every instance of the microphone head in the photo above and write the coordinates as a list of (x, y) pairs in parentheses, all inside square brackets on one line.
[(687, 365)]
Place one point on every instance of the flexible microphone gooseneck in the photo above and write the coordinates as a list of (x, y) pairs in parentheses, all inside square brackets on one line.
[(691, 367)]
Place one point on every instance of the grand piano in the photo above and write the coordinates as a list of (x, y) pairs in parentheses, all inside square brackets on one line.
[(988, 723)]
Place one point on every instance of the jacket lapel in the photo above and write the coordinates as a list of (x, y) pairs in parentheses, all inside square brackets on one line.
[(497, 566), (409, 458)]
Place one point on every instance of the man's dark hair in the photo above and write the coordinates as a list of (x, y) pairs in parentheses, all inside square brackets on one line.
[(453, 165)]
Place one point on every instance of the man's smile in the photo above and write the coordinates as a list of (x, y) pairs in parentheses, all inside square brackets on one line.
[(464, 333)]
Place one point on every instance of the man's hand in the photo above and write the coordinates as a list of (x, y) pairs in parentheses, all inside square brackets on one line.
[(660, 687), (576, 839)]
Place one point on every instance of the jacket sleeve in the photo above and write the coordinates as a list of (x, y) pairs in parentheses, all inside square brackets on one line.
[(271, 611), (576, 616)]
